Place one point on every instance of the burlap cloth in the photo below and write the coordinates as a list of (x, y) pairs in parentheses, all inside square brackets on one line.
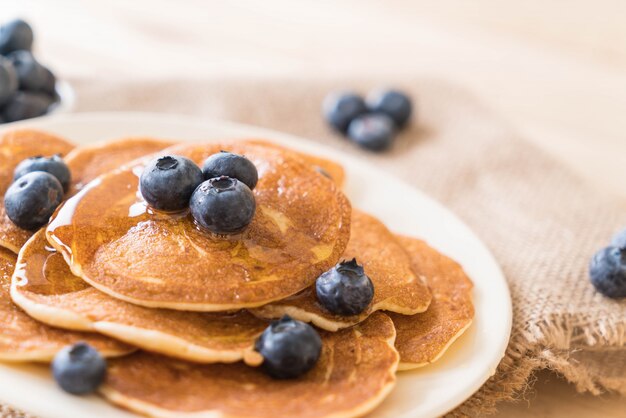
[(541, 221)]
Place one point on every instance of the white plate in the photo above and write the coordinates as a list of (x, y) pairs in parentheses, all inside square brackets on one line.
[(428, 392)]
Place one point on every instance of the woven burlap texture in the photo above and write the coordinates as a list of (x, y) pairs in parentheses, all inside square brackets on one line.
[(540, 220)]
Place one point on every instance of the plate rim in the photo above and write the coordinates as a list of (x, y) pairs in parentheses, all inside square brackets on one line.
[(301, 143)]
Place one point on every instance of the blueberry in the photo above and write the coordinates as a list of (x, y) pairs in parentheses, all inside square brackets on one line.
[(232, 165), (168, 182), (607, 271), (289, 348), (9, 82), (345, 289), (341, 108), (373, 131), (53, 165), (15, 35), (392, 103), (223, 205), (30, 201), (31, 74), (79, 369), (25, 105)]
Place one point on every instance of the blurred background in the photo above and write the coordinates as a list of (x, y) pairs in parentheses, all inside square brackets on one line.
[(555, 70)]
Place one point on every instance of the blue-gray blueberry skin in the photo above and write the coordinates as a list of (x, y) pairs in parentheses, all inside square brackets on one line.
[(223, 205), (9, 82), (607, 271), (392, 103), (231, 165), (15, 35), (619, 239), (30, 73), (345, 289), (53, 165), (168, 182), (290, 348), (26, 105), (32, 199), (374, 132), (79, 369), (341, 108)]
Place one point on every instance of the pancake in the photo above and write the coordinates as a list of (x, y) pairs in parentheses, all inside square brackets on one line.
[(45, 288), (16, 146), (422, 339), (396, 287), (112, 240), (356, 371), (89, 161), (327, 167), (24, 339)]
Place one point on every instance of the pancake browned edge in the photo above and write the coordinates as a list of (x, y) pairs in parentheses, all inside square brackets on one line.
[(16, 146), (396, 287), (422, 339), (300, 229), (356, 371), (45, 288), (24, 339), (89, 161)]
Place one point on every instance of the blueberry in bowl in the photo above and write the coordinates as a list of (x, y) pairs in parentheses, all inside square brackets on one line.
[(32, 199), (345, 289), (232, 165), (168, 182), (223, 205), (289, 348)]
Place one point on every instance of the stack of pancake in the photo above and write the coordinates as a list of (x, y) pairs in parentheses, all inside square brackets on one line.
[(177, 311)]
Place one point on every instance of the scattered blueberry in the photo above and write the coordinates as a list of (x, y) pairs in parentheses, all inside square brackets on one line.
[(25, 105), (9, 82), (372, 131), (31, 74), (289, 348), (607, 271), (341, 108), (392, 103), (15, 35), (168, 182), (232, 165), (223, 205), (30, 201), (79, 369), (49, 82), (53, 165), (345, 289)]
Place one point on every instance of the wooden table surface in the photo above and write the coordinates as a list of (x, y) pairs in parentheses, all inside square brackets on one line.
[(556, 70)]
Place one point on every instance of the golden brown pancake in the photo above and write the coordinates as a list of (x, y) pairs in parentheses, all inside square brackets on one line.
[(325, 166), (24, 339), (45, 288), (355, 373), (116, 243), (16, 146), (89, 161), (422, 339), (396, 287)]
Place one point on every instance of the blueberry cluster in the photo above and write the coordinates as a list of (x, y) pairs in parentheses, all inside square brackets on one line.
[(219, 195), (607, 269), (27, 88), (371, 123), (39, 186)]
